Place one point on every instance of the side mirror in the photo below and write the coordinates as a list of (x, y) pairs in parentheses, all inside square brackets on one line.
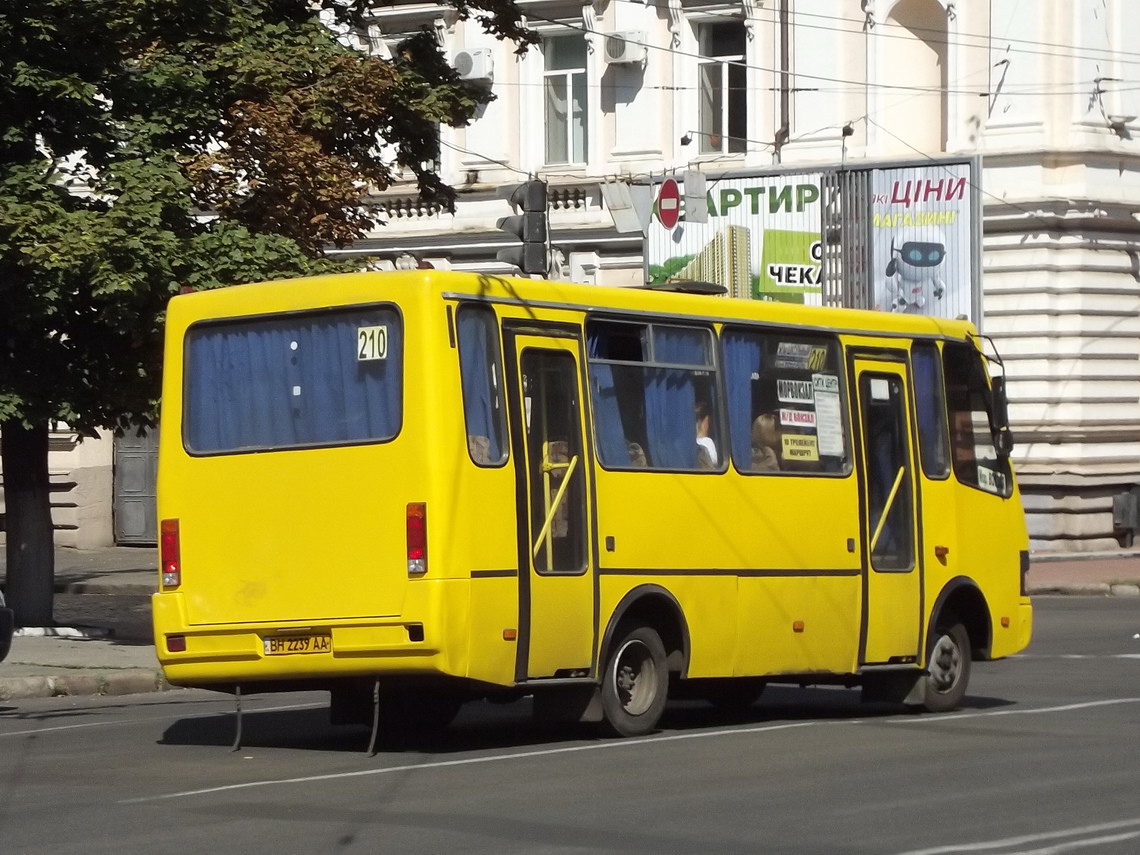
[(1003, 437)]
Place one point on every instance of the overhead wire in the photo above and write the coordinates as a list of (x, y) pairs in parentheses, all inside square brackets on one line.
[(848, 85), (984, 41), (488, 158), (855, 84)]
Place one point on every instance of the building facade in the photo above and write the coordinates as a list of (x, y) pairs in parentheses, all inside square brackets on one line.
[(1045, 94)]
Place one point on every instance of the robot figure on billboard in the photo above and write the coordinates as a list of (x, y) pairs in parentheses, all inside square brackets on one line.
[(913, 271)]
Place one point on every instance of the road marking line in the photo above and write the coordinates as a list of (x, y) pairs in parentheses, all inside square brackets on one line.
[(1075, 656), (470, 761), (1064, 708), (629, 743), (1031, 838), (178, 717), (1079, 844)]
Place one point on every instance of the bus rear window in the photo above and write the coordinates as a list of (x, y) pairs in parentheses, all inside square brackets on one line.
[(322, 378)]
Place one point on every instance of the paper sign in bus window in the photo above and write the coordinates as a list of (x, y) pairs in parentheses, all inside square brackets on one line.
[(828, 417), (791, 354), (371, 343), (797, 418), (990, 481), (798, 447), (794, 391)]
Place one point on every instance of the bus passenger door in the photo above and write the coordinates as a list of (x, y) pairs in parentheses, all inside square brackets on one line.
[(892, 573), (556, 582)]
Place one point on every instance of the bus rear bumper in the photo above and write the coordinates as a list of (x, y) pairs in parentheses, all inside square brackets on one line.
[(228, 654)]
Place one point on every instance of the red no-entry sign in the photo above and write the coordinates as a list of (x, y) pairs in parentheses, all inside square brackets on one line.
[(669, 203)]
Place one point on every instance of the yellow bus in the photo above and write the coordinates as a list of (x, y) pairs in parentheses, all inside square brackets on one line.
[(418, 488)]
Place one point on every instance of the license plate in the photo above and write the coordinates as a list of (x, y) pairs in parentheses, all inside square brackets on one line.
[(285, 645)]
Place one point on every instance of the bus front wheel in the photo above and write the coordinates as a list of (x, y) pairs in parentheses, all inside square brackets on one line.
[(635, 683), (948, 663)]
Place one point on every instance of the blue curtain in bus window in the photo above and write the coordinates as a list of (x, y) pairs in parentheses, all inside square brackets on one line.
[(306, 380), (608, 430), (741, 358), (482, 406), (670, 399)]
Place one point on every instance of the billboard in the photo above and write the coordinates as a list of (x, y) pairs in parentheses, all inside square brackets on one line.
[(922, 254), (898, 237), (761, 240)]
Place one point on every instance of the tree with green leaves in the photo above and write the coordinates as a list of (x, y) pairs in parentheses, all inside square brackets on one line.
[(153, 145)]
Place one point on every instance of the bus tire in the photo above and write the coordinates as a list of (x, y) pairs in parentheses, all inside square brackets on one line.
[(948, 664), (635, 683)]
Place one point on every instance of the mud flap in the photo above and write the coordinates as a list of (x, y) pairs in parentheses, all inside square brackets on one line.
[(568, 703), (895, 687)]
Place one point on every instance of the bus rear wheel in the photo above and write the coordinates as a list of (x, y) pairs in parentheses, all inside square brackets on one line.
[(635, 683), (948, 664)]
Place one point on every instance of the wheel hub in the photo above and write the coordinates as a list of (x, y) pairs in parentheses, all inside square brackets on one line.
[(945, 664), (635, 678)]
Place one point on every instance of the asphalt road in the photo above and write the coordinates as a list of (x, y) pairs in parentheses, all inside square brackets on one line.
[(1045, 758)]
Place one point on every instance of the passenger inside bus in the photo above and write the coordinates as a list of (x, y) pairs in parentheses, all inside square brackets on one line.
[(707, 457), (765, 444)]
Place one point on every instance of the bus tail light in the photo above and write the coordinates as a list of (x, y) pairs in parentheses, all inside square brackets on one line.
[(417, 538), (170, 551)]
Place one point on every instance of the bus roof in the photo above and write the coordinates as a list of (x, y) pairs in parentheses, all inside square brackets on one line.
[(291, 295)]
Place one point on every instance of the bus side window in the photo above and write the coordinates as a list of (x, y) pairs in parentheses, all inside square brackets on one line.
[(481, 372), (975, 458), (785, 402), (930, 409), (654, 396)]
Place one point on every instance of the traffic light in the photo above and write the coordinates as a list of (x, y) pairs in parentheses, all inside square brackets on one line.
[(529, 226)]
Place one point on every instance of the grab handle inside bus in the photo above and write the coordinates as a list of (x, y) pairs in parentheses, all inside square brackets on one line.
[(887, 507), (547, 467)]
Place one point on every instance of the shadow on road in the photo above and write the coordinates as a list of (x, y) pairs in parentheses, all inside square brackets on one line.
[(487, 726)]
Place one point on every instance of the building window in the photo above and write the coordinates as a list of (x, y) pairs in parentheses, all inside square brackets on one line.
[(567, 119), (723, 82)]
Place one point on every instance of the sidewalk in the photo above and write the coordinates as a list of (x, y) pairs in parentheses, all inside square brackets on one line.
[(104, 594), (103, 642)]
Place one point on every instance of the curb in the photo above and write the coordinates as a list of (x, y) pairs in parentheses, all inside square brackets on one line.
[(125, 682), (1086, 589), (1046, 557)]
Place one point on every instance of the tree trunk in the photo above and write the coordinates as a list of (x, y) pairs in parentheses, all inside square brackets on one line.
[(31, 540)]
